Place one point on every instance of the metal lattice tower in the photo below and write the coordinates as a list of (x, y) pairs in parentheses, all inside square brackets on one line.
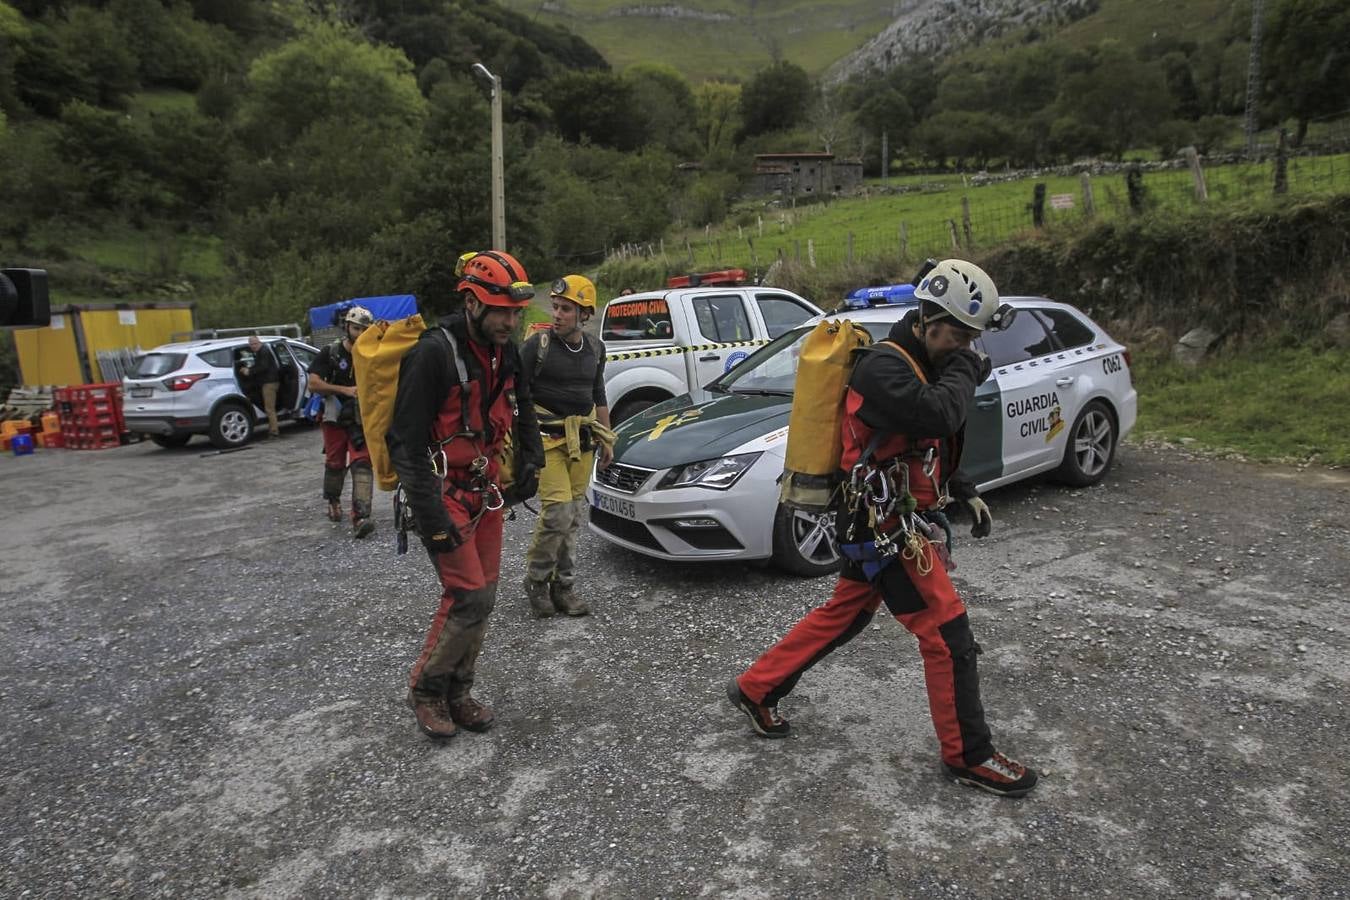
[(1253, 78)]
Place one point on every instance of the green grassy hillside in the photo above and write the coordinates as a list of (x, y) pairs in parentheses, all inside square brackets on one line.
[(734, 38)]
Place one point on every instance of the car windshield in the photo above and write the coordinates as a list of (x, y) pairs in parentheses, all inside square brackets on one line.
[(773, 368), (636, 320), (152, 365)]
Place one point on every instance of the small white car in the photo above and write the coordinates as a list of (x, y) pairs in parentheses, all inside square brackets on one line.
[(696, 477), (178, 390)]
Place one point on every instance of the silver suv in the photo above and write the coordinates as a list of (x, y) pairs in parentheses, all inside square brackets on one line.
[(178, 390)]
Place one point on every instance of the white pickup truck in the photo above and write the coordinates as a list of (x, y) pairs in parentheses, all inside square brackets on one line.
[(660, 344)]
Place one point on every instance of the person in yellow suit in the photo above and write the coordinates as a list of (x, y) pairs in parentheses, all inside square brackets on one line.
[(566, 370)]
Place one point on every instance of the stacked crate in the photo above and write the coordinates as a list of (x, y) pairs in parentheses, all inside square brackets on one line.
[(91, 416)]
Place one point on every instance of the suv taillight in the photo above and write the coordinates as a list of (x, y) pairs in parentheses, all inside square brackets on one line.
[(183, 382), (1128, 363)]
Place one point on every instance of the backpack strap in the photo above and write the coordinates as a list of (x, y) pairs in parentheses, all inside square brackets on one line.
[(913, 364), (545, 340), (462, 373)]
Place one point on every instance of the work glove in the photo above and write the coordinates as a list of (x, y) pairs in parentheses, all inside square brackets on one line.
[(982, 519), (444, 541)]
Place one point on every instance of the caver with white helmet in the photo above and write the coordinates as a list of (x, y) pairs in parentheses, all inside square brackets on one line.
[(359, 316), (963, 291)]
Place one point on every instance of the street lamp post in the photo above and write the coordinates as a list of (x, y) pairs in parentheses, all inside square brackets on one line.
[(498, 167)]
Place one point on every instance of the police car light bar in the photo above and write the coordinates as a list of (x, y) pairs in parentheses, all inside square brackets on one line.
[(885, 295)]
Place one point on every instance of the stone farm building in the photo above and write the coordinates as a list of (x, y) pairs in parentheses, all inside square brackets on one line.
[(805, 174)]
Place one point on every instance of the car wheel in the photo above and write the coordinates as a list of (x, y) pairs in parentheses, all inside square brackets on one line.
[(630, 408), (803, 542), (1091, 448), (170, 440), (231, 426)]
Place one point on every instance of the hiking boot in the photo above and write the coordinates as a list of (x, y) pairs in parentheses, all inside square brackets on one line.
[(362, 528), (566, 601), (764, 719), (538, 594), (469, 713), (432, 716), (334, 511), (998, 775)]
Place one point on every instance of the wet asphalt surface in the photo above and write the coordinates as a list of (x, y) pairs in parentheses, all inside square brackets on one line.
[(202, 680)]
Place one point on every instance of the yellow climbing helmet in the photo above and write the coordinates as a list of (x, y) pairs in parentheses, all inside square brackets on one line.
[(577, 288)]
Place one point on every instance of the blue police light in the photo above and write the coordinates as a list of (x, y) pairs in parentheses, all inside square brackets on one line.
[(886, 295)]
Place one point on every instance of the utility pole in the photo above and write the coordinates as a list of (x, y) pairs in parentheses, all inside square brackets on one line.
[(1253, 78), (498, 160)]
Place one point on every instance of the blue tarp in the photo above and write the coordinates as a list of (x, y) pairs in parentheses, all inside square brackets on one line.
[(875, 296), (397, 306)]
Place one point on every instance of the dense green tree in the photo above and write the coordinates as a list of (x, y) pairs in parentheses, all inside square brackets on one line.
[(188, 154), (598, 107), (109, 155), (717, 107), (327, 73), (45, 74), (101, 43), (776, 98), (1308, 59), (665, 104), (174, 48), (1122, 98), (14, 31)]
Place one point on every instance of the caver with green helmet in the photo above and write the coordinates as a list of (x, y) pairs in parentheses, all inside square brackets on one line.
[(566, 367), (904, 422), (333, 377), (461, 394)]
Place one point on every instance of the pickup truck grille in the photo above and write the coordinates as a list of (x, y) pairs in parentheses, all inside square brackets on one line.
[(626, 479)]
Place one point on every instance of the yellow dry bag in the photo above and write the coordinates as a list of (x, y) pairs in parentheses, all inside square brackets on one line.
[(814, 446), (376, 356)]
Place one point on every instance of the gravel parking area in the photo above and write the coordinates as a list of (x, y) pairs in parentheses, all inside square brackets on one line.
[(202, 680)]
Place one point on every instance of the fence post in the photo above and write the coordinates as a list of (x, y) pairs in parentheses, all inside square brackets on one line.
[(718, 246), (850, 248), (760, 219), (1197, 173), (1282, 164), (904, 240), (965, 222), (1134, 188), (798, 249), (688, 250), (1088, 209), (811, 252), (1038, 205), (754, 259), (951, 226)]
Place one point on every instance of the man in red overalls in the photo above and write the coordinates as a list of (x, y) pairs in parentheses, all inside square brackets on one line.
[(458, 398), (905, 412)]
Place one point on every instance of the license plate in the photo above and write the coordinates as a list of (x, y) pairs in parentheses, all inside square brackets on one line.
[(614, 505), (140, 393)]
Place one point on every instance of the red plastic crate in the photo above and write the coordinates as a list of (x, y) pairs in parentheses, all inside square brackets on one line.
[(90, 406)]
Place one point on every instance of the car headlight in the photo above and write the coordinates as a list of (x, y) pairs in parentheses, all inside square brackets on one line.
[(718, 474)]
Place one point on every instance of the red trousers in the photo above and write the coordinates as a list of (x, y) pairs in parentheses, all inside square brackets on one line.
[(929, 607), (338, 451), (468, 577)]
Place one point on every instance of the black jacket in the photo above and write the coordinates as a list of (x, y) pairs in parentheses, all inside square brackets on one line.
[(895, 400)]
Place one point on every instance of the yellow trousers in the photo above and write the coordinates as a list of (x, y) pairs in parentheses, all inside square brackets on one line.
[(562, 509)]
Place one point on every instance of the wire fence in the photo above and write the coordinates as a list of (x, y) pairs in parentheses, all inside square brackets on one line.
[(815, 236)]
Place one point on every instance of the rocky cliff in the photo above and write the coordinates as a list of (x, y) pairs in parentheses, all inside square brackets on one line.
[(934, 28)]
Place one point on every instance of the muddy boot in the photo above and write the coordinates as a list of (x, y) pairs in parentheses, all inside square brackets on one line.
[(332, 492), (537, 593), (566, 601), (469, 713), (363, 482), (433, 716)]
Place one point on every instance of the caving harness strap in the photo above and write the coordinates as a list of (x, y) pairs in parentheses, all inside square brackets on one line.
[(880, 493), (477, 482)]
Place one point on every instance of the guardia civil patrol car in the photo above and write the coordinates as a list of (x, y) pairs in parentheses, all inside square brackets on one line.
[(696, 477)]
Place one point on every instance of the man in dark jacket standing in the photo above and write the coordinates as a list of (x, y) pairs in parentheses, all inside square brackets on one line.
[(905, 413), (259, 369), (459, 396)]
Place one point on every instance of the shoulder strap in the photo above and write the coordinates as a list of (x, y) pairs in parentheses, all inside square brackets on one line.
[(918, 370), (545, 337), (462, 373)]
